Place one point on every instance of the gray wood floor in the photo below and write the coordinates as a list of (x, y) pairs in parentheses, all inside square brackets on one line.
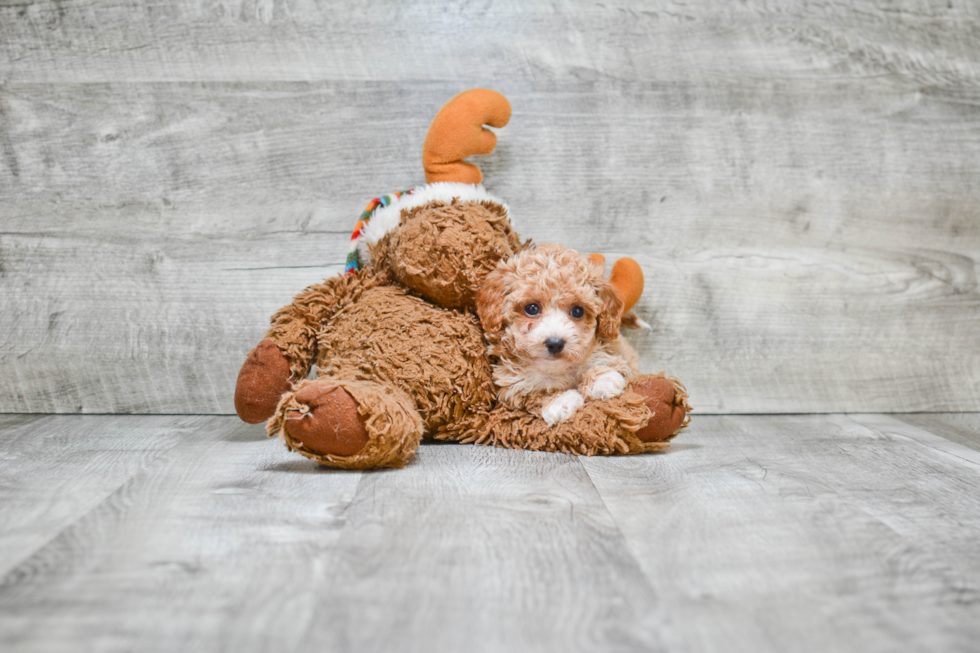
[(755, 533)]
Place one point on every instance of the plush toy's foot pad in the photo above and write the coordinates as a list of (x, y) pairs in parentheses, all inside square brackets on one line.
[(262, 381), (668, 402), (349, 424), (326, 420)]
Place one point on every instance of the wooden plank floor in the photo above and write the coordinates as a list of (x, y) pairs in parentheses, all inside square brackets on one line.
[(753, 533)]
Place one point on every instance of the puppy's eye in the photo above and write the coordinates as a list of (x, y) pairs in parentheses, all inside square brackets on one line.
[(577, 312), (532, 309)]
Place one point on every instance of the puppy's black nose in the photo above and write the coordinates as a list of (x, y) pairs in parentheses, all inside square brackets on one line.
[(554, 345)]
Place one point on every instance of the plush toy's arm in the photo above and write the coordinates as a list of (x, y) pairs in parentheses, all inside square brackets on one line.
[(645, 417), (288, 350), (264, 378), (294, 326)]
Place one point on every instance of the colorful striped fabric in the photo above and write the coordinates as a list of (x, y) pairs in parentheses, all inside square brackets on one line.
[(353, 264)]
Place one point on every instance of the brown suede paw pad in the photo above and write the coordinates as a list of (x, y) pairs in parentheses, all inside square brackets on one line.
[(668, 414), (332, 423), (262, 381)]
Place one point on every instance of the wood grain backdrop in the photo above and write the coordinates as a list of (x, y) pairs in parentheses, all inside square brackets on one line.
[(800, 181)]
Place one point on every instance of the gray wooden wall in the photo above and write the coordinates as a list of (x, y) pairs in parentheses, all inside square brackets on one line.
[(800, 181)]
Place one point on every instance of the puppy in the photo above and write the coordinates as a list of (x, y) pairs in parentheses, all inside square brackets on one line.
[(551, 320)]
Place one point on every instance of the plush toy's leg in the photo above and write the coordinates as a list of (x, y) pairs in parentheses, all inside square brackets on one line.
[(667, 400), (289, 349), (349, 424), (625, 424)]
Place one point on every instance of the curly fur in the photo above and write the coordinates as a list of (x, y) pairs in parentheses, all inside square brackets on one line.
[(594, 362)]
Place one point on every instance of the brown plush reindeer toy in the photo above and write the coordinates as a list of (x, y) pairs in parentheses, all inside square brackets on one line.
[(398, 349)]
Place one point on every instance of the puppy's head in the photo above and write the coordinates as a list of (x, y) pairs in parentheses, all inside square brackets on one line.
[(548, 305)]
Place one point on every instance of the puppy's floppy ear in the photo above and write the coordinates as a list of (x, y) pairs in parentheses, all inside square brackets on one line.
[(490, 304), (612, 311)]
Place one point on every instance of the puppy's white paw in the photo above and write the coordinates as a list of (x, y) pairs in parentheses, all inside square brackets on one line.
[(562, 407), (608, 385)]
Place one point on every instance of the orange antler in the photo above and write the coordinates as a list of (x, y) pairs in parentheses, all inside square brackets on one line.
[(627, 277), (457, 131)]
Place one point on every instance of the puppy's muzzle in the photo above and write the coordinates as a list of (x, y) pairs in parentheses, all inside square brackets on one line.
[(554, 345)]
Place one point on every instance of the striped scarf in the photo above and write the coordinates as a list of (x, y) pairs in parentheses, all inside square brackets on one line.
[(353, 263)]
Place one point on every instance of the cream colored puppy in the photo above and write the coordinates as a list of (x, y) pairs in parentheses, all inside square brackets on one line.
[(552, 319)]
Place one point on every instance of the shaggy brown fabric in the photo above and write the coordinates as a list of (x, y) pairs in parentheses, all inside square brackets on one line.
[(263, 379), (408, 366), (393, 426), (597, 428), (434, 355), (667, 400), (445, 251), (368, 327), (295, 326)]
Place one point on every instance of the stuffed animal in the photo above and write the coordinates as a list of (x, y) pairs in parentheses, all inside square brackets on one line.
[(398, 349)]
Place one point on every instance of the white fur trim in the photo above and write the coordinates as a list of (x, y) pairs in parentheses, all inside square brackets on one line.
[(388, 217)]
